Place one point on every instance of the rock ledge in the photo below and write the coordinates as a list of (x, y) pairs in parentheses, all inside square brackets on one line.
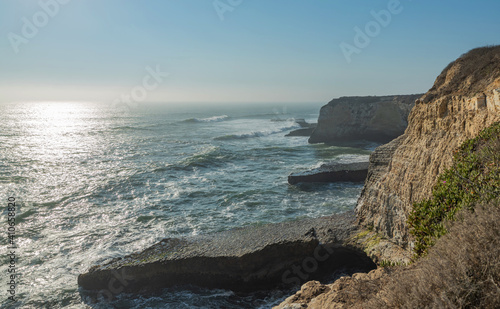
[(332, 172), (243, 259)]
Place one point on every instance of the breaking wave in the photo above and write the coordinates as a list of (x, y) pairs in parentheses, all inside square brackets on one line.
[(254, 134), (209, 119)]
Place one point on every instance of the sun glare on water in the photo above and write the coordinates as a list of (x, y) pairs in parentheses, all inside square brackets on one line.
[(58, 129)]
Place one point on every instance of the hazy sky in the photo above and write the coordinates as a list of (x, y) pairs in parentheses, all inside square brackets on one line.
[(233, 50)]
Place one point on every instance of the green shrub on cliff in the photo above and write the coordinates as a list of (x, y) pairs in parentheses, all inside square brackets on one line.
[(461, 271), (474, 177)]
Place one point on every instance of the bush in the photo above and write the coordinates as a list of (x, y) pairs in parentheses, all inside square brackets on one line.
[(473, 177), (461, 271)]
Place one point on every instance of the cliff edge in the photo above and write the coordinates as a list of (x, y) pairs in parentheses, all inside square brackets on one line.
[(372, 118), (462, 269), (464, 100)]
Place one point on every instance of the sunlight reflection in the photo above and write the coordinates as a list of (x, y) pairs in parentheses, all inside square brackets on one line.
[(59, 130)]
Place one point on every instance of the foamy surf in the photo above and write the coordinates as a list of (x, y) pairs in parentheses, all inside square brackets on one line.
[(208, 119), (255, 134)]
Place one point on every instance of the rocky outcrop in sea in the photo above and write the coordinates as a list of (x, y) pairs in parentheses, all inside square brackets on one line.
[(371, 118), (332, 172), (244, 259), (306, 129)]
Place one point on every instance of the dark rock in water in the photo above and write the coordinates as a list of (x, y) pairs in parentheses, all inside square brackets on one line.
[(332, 172), (244, 259), (301, 132), (303, 123), (306, 129)]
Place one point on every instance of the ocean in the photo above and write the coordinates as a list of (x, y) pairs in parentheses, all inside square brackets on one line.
[(92, 182)]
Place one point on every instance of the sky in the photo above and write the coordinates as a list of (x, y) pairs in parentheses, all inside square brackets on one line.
[(233, 50)]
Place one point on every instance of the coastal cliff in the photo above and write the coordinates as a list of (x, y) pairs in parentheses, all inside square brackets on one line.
[(370, 118), (464, 100)]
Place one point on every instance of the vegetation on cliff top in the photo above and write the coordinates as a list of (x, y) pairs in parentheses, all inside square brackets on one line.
[(461, 271), (474, 177), (469, 75)]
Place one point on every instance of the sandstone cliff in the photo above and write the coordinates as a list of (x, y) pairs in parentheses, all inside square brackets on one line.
[(464, 100), (369, 118)]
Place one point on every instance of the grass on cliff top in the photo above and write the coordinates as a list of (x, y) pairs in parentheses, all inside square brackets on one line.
[(469, 74), (461, 271), (474, 177)]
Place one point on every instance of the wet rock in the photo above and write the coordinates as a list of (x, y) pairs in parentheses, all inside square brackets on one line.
[(301, 132), (332, 172), (306, 129)]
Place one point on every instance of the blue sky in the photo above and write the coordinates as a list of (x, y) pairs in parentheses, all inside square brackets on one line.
[(248, 51)]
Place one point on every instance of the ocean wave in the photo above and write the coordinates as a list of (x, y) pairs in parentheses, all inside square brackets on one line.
[(208, 157), (282, 119), (344, 159), (209, 119), (254, 134), (125, 128), (275, 115)]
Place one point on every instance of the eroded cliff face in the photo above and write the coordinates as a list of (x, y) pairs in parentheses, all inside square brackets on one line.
[(464, 100), (370, 118)]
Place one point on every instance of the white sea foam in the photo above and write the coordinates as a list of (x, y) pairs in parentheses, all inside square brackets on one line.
[(209, 119), (255, 134)]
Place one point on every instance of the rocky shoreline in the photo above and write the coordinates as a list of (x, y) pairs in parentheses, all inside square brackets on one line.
[(400, 172)]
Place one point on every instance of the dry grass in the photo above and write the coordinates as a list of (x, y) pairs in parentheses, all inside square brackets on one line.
[(461, 271), (469, 74)]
